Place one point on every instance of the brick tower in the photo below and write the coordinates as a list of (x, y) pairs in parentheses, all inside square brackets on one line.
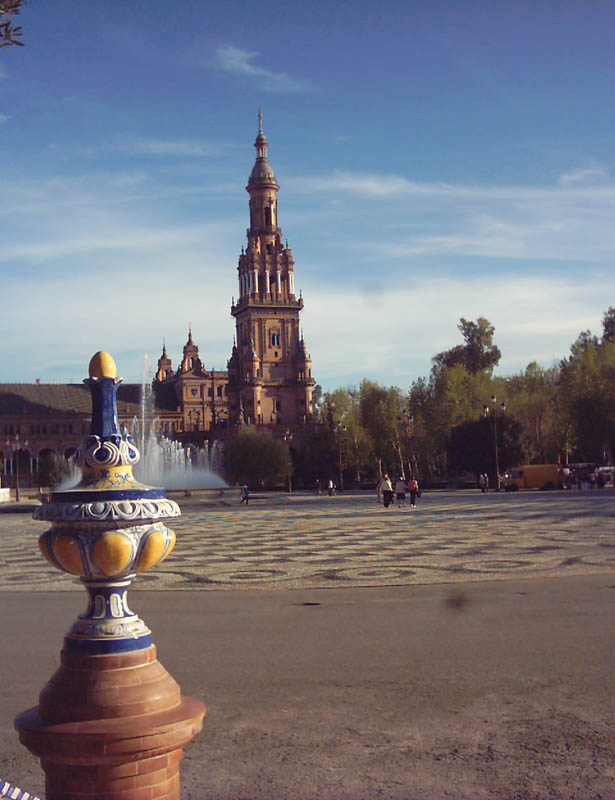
[(270, 371)]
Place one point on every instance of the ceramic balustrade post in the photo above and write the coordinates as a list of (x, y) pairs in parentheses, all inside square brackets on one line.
[(111, 723)]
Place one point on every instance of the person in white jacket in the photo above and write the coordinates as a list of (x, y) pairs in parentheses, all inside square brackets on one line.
[(386, 489)]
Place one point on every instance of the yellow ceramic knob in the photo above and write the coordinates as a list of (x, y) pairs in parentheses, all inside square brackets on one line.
[(66, 549), (102, 365), (153, 550), (113, 553)]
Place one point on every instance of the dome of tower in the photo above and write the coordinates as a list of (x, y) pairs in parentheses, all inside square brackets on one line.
[(262, 173)]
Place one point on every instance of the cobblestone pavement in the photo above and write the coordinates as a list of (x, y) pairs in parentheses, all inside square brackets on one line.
[(319, 542)]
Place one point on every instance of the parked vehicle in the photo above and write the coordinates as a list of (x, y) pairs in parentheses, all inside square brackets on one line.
[(534, 476)]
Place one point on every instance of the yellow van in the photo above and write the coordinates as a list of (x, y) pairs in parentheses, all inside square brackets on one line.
[(534, 476)]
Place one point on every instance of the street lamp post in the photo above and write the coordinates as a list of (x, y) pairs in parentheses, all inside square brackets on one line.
[(336, 429), (340, 429), (486, 411), (288, 438)]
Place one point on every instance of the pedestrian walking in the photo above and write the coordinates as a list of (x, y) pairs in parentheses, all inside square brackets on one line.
[(330, 487), (245, 494), (400, 492), (413, 488), (387, 491)]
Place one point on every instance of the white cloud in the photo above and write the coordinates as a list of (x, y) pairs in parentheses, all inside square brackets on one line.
[(168, 147), (384, 330), (239, 62), (582, 176), (125, 312), (79, 243), (390, 331), (4, 118), (513, 236), (396, 186), (413, 220), (101, 241)]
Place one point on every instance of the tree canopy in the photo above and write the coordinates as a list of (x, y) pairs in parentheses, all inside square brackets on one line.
[(10, 34), (255, 458), (436, 429), (477, 354)]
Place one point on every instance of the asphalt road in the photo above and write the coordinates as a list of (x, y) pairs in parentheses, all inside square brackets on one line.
[(474, 689)]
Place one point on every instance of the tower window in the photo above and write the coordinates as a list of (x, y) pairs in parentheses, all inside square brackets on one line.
[(275, 339)]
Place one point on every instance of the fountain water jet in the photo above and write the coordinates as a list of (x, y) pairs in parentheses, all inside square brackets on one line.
[(166, 462)]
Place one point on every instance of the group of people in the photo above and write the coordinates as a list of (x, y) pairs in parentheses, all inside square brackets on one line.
[(386, 493), (483, 482)]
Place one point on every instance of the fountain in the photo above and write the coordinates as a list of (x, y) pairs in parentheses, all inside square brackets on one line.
[(166, 462)]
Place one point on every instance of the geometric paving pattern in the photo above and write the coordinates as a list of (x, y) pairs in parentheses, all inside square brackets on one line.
[(317, 542)]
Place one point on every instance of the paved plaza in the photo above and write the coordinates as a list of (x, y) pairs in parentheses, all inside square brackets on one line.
[(462, 650), (305, 541)]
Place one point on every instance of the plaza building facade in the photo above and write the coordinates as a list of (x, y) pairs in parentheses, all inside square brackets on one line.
[(268, 382)]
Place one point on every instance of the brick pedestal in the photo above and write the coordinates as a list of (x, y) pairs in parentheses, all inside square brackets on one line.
[(111, 727)]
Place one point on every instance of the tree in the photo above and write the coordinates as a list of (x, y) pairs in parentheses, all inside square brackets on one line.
[(532, 398), (472, 446), (586, 389), (477, 354), (316, 461), (254, 457), (380, 416), (342, 414), (426, 441), (608, 325), (10, 34)]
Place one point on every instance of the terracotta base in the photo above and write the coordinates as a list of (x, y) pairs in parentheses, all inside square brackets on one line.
[(111, 728)]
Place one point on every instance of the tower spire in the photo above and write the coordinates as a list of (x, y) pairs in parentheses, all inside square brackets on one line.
[(165, 366), (269, 373)]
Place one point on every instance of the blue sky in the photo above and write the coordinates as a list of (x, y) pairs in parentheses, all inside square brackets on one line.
[(436, 160)]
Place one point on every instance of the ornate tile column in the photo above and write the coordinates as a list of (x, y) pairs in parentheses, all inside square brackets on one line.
[(111, 723)]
